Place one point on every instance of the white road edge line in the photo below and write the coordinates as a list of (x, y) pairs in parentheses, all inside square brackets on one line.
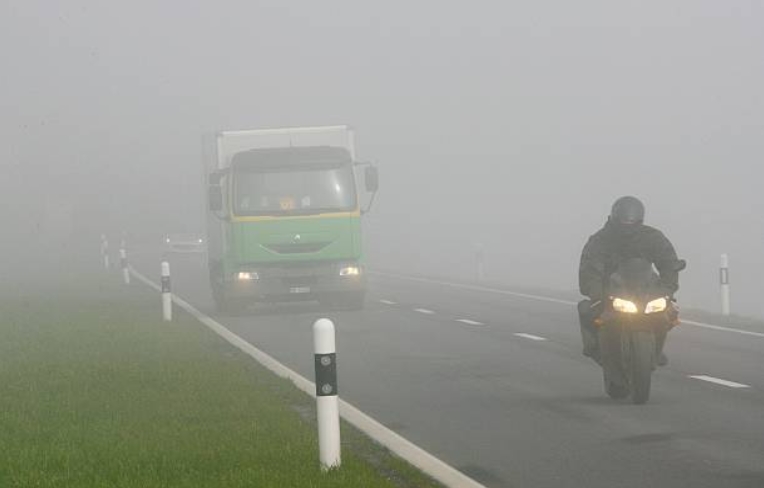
[(469, 322), (548, 299), (431, 465), (719, 381), (530, 336), (387, 302), (424, 311)]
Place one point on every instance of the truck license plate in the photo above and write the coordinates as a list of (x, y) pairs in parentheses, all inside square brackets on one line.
[(300, 289)]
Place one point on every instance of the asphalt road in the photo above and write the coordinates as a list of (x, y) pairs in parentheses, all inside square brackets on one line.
[(496, 385)]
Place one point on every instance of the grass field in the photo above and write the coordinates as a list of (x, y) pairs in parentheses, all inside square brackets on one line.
[(95, 391)]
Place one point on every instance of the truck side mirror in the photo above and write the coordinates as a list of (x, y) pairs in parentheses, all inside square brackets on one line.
[(215, 198), (372, 179)]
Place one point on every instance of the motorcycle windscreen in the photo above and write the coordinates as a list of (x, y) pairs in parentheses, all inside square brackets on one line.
[(633, 277)]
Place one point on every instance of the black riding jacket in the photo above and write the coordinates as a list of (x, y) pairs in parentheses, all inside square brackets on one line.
[(613, 243)]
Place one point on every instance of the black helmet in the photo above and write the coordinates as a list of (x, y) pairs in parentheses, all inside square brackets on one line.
[(627, 210)]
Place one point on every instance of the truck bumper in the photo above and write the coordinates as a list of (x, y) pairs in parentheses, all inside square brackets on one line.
[(316, 282)]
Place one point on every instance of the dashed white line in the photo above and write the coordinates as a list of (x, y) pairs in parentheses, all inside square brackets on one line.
[(530, 336), (475, 288), (387, 302), (424, 311), (549, 300), (469, 322), (719, 381)]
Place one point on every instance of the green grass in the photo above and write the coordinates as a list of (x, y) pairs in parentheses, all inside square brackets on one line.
[(95, 391)]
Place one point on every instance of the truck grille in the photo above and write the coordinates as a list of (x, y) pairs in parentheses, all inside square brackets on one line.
[(301, 248), (300, 281)]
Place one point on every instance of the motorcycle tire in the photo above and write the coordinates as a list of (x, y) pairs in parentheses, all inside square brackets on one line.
[(641, 365), (616, 383)]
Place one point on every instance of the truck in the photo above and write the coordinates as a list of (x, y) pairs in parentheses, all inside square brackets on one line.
[(284, 211)]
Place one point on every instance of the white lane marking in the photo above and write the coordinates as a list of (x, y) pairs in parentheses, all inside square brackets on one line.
[(548, 299), (530, 336), (424, 311), (404, 448), (719, 327), (387, 302), (475, 288), (469, 322), (719, 381)]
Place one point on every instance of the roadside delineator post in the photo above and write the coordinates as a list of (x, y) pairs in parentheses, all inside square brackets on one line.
[(105, 251), (166, 293), (724, 282), (123, 262), (327, 402)]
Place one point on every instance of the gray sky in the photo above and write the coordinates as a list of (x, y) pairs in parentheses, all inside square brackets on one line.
[(515, 124)]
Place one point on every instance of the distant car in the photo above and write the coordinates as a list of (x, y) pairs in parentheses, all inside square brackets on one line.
[(192, 243)]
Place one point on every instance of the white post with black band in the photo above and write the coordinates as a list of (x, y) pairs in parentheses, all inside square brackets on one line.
[(327, 403), (123, 262), (166, 292), (724, 281)]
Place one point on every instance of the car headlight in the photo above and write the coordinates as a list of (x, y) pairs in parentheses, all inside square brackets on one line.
[(658, 305), (350, 271), (625, 306), (247, 276)]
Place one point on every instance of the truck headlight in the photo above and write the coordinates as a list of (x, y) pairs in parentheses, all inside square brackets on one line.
[(624, 306), (658, 305), (247, 276), (350, 271)]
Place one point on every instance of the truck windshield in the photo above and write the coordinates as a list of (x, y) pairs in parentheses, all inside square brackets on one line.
[(293, 191)]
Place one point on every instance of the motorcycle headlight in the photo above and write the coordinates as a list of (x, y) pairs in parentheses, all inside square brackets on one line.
[(625, 306), (350, 271), (658, 305)]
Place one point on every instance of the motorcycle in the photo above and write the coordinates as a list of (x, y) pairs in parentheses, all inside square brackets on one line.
[(632, 328)]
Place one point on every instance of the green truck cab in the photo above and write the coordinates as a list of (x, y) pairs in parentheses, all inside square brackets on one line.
[(284, 217)]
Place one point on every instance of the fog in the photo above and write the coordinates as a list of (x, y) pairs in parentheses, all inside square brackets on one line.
[(511, 125)]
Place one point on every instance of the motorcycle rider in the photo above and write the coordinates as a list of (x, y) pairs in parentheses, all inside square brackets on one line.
[(623, 236)]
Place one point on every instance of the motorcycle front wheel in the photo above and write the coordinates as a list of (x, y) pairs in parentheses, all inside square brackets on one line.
[(641, 365), (616, 383)]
